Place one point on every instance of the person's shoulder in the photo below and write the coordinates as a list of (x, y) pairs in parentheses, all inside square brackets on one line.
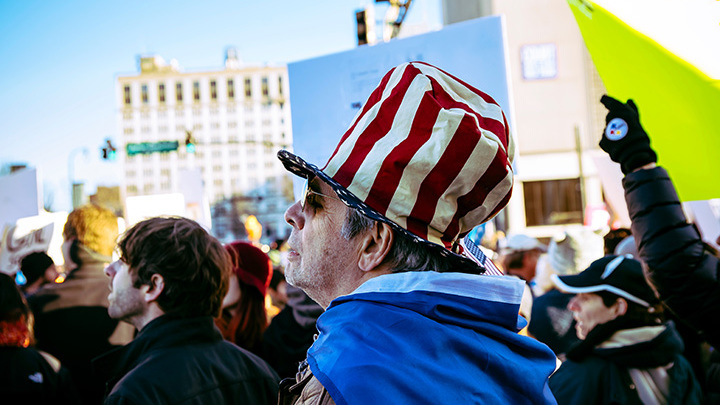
[(182, 360), (589, 369)]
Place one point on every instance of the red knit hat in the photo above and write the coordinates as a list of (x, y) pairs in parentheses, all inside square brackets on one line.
[(427, 154), (251, 265)]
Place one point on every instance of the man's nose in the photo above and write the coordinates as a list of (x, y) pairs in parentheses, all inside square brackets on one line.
[(294, 216), (572, 305), (110, 269)]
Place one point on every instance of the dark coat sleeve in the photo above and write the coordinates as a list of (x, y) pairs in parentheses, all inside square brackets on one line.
[(683, 273), (592, 381)]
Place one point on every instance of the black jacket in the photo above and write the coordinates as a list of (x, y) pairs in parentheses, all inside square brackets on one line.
[(598, 373), (185, 361), (28, 376), (682, 272)]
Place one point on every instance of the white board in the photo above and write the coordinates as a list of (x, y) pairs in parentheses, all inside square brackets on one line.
[(327, 92)]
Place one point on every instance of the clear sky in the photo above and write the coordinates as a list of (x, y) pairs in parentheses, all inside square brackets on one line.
[(59, 62)]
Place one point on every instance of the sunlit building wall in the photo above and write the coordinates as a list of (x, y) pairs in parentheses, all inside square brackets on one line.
[(238, 117), (558, 119)]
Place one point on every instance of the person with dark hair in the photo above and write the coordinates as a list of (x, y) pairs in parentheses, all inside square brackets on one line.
[(684, 273), (71, 319), (27, 375), (613, 238), (291, 333), (169, 283), (627, 353), (244, 319), (378, 240), (38, 269)]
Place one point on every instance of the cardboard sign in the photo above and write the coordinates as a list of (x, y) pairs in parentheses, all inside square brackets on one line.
[(32, 234)]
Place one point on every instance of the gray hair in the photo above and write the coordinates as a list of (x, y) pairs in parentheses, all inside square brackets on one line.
[(406, 254)]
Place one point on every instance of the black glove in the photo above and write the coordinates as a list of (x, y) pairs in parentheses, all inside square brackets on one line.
[(624, 138)]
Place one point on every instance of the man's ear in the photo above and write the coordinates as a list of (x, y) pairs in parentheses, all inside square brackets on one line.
[(621, 307), (375, 247), (153, 290)]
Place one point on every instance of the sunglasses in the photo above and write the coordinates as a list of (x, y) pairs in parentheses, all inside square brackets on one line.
[(307, 192)]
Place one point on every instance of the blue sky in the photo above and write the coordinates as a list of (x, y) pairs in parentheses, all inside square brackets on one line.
[(60, 61)]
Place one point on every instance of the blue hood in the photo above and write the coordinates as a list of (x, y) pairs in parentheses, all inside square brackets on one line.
[(428, 338)]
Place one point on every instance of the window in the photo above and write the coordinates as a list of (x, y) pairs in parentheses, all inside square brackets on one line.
[(161, 93), (128, 130), (148, 188), (216, 154), (553, 202), (539, 61), (264, 87), (230, 89), (178, 92), (213, 90), (130, 173), (248, 88), (217, 168), (280, 84), (127, 115), (144, 93), (126, 91), (196, 91), (132, 189), (165, 172)]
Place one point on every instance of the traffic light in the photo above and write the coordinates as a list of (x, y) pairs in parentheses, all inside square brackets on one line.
[(109, 152), (189, 142)]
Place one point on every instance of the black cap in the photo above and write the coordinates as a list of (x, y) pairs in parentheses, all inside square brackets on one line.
[(620, 275)]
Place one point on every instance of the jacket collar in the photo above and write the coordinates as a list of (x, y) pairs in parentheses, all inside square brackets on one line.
[(164, 332)]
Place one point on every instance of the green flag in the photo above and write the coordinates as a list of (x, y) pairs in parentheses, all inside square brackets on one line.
[(679, 105)]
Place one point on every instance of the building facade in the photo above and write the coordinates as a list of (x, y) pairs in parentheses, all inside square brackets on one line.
[(228, 124)]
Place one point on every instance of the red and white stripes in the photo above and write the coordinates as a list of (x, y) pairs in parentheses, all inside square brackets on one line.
[(429, 152)]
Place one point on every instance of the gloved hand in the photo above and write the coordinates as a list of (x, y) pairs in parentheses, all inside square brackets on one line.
[(624, 138)]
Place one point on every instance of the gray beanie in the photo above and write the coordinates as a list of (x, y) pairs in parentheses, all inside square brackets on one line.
[(573, 250)]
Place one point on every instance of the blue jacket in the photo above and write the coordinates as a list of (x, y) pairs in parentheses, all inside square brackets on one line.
[(425, 337)]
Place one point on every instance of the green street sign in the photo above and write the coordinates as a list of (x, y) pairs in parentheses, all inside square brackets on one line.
[(145, 148)]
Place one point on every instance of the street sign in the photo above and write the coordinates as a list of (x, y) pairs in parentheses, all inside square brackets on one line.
[(145, 148)]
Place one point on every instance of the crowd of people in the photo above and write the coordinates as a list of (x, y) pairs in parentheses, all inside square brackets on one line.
[(382, 298)]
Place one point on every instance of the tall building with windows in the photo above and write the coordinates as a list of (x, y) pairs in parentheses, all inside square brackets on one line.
[(227, 123)]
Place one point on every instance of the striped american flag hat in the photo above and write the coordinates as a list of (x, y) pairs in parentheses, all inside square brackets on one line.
[(427, 154)]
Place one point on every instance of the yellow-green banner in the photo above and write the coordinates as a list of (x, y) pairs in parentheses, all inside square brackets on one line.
[(679, 105)]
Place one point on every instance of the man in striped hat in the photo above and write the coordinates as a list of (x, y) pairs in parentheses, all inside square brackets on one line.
[(411, 315)]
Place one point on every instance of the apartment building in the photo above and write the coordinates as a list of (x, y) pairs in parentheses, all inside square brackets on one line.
[(228, 124)]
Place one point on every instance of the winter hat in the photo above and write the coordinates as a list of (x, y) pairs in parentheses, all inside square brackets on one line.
[(427, 154), (574, 249), (251, 265), (521, 243), (620, 275), (34, 265)]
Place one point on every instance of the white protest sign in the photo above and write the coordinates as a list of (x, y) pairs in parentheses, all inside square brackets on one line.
[(32, 234)]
